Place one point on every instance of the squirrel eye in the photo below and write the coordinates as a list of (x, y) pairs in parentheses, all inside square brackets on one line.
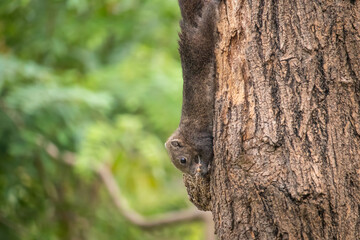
[(182, 160)]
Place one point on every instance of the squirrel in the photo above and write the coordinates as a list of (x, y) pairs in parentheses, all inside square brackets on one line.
[(190, 147)]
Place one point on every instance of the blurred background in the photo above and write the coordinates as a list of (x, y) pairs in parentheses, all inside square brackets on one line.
[(94, 82)]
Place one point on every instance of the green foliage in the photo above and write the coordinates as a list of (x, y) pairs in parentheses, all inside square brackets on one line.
[(101, 79)]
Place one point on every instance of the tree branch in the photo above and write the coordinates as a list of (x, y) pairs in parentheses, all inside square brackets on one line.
[(135, 218)]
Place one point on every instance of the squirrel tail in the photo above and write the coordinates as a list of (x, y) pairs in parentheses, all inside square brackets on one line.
[(197, 36)]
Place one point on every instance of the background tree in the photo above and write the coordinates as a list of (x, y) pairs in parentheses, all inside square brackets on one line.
[(287, 134), (100, 79)]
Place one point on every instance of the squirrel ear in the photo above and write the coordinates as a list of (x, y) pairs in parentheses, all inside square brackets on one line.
[(176, 143)]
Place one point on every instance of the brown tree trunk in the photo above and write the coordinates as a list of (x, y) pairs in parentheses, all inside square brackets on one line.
[(287, 120)]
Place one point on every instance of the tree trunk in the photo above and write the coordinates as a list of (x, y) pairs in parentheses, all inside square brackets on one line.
[(287, 120)]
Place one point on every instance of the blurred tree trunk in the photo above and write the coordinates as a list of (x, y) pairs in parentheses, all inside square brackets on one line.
[(287, 120)]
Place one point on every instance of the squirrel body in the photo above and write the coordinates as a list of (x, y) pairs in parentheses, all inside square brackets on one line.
[(191, 146)]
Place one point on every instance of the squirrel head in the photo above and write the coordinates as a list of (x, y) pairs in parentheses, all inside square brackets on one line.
[(185, 157)]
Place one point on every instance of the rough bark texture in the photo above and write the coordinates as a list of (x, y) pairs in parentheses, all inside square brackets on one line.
[(287, 120), (198, 189)]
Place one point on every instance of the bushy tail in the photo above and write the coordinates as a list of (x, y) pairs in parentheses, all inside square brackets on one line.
[(197, 36)]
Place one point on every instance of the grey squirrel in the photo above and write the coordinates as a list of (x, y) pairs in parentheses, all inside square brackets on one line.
[(191, 146)]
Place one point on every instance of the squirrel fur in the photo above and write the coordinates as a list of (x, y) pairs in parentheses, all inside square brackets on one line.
[(191, 146)]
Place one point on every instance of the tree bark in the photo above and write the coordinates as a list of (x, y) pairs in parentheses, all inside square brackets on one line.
[(287, 120)]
